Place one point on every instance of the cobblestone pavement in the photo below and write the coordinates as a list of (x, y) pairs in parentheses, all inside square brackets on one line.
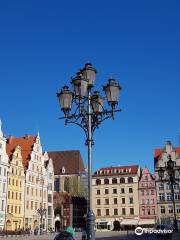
[(99, 236)]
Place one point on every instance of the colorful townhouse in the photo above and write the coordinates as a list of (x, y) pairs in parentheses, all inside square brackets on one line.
[(16, 179), (147, 199)]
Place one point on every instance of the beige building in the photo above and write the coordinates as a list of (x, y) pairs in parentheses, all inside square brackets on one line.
[(164, 198), (115, 197)]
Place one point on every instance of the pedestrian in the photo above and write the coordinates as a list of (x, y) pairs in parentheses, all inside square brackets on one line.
[(68, 234)]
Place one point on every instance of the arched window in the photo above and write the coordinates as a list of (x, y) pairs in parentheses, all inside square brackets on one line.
[(106, 181), (122, 180), (98, 181), (114, 180), (130, 179)]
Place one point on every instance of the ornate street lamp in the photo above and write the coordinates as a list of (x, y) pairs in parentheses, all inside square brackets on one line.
[(88, 113), (171, 176)]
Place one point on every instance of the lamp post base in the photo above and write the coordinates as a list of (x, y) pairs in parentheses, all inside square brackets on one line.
[(90, 225)]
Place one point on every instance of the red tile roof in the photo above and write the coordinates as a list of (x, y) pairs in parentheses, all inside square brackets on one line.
[(26, 143), (120, 170), (70, 160), (158, 152)]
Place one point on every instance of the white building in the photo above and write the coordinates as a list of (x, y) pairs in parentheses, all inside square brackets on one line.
[(3, 178), (50, 190)]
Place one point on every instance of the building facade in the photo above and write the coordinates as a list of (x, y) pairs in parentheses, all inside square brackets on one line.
[(164, 198), (68, 171), (115, 197), (50, 191), (4, 163), (37, 172), (147, 199), (16, 180)]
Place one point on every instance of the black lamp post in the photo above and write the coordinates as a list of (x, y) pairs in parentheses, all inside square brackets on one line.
[(89, 112), (171, 174)]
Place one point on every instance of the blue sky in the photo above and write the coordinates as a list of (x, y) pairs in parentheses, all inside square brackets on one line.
[(43, 43)]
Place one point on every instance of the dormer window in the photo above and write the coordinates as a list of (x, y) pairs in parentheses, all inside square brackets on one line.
[(63, 170)]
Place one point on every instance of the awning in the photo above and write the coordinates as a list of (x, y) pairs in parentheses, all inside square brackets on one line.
[(146, 222), (129, 222)]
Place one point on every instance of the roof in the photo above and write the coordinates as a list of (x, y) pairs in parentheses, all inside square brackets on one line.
[(123, 170), (26, 143), (159, 151), (70, 160)]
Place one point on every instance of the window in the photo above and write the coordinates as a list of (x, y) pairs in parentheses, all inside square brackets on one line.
[(163, 209), (12, 195), (123, 211), (27, 190), (2, 205), (161, 186), (36, 205), (123, 200), (142, 192), (131, 211), (106, 181), (56, 184), (152, 192), (148, 212), (131, 200), (161, 197), (142, 201), (115, 211), (98, 212), (16, 182), (19, 209), (114, 191), (115, 200), (130, 190), (146, 177), (31, 205), (98, 201), (130, 180), (0, 170), (98, 192), (8, 194), (4, 188), (11, 209), (19, 196), (106, 191), (107, 212), (147, 201), (114, 180), (107, 201), (122, 190), (8, 208), (15, 209), (178, 208), (152, 201), (27, 205), (176, 196), (122, 180), (169, 197), (13, 182), (170, 209), (32, 191), (98, 182), (16, 195), (49, 198), (4, 172)]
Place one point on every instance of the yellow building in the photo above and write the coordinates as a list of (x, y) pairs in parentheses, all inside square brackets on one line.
[(15, 200)]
